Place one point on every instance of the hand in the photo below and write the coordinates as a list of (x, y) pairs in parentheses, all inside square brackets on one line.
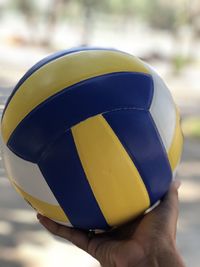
[(148, 241)]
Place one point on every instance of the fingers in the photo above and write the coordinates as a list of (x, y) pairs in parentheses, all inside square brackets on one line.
[(77, 237), (173, 206), (176, 184), (51, 226), (124, 231), (170, 203), (168, 209)]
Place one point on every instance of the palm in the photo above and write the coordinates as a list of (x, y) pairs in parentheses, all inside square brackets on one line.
[(129, 243), (117, 246), (138, 236)]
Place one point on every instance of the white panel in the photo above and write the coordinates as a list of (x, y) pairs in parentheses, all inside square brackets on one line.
[(163, 110), (27, 175)]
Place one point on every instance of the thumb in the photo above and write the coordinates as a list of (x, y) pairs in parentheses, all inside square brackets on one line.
[(77, 237)]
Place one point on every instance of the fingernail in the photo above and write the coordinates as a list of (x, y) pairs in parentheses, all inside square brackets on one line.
[(177, 184)]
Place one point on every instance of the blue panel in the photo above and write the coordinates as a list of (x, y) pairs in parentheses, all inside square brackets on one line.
[(45, 61), (138, 134), (77, 103), (61, 167)]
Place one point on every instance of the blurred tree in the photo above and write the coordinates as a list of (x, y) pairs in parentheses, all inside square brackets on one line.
[(86, 13), (28, 9), (88, 9), (159, 14), (2, 3), (193, 15), (52, 15)]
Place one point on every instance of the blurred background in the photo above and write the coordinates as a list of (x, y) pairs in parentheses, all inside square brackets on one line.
[(164, 33)]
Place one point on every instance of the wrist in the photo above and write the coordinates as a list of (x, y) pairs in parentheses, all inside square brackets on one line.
[(161, 255), (164, 256)]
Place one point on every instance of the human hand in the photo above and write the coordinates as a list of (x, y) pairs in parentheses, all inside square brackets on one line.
[(147, 241)]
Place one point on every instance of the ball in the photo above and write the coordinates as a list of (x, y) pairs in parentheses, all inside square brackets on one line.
[(91, 137)]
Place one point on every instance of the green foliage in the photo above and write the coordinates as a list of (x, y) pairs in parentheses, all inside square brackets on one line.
[(179, 61), (93, 5), (191, 127), (24, 6), (157, 13), (127, 7)]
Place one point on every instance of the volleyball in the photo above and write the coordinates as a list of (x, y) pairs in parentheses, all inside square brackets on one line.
[(91, 137)]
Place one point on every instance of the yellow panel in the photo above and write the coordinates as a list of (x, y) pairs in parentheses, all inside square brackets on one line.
[(176, 147), (61, 73), (51, 211), (115, 181)]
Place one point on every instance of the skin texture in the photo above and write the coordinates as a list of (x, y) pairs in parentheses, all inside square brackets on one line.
[(146, 242)]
